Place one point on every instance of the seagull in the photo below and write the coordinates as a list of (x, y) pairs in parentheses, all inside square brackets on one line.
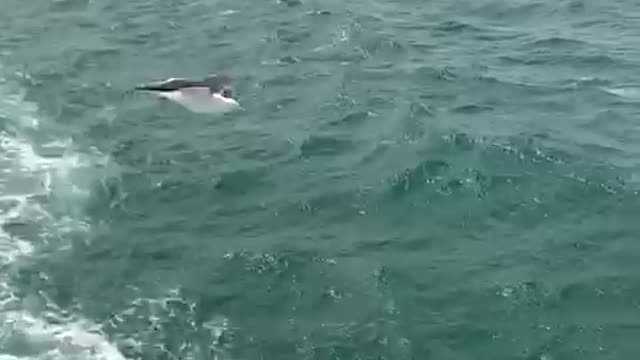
[(212, 94)]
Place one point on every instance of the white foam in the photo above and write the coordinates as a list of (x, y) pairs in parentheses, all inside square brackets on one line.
[(15, 108), (45, 340), (28, 182), (10, 248), (152, 315)]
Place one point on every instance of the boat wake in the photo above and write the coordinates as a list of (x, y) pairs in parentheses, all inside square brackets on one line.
[(41, 203)]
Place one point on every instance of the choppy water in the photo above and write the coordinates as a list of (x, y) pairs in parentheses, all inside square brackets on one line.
[(410, 180)]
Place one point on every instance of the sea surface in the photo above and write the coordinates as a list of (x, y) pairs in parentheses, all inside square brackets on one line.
[(450, 180)]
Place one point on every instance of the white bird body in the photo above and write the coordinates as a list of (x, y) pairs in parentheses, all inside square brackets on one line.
[(201, 101)]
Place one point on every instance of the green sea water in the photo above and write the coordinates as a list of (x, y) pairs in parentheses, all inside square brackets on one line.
[(408, 180)]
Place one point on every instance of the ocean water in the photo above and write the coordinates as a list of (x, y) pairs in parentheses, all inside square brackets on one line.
[(409, 180)]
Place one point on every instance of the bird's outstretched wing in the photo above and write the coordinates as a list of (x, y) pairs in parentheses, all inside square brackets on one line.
[(214, 82), (172, 84)]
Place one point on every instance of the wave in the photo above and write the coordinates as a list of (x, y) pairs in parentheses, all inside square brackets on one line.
[(318, 145), (501, 166), (149, 319), (454, 26), (41, 204), (558, 55), (558, 42)]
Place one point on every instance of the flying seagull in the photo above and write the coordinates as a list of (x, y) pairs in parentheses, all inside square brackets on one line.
[(212, 94)]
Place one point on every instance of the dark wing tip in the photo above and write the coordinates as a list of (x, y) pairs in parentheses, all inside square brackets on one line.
[(165, 85), (215, 82)]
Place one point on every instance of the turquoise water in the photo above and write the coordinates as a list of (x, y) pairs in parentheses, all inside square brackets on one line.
[(408, 180)]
